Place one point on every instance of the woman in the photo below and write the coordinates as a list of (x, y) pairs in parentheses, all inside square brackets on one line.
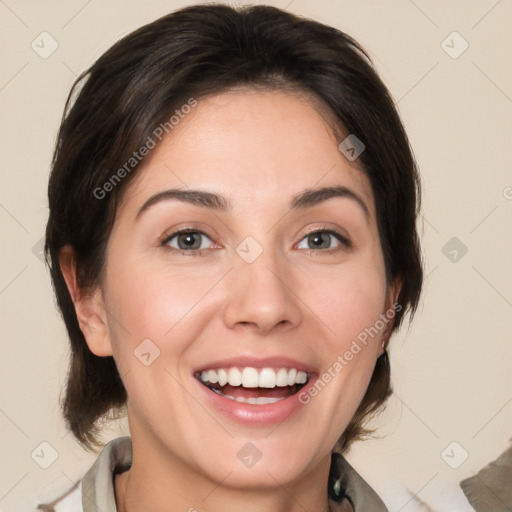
[(232, 242)]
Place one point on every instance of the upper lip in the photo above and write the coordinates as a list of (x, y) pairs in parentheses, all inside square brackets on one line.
[(255, 362)]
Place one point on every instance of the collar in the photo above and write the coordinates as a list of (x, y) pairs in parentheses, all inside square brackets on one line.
[(347, 490)]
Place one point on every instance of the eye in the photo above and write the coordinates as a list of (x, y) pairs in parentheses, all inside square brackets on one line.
[(189, 240), (323, 239)]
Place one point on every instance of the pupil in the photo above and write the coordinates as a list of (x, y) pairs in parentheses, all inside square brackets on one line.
[(188, 240), (318, 238)]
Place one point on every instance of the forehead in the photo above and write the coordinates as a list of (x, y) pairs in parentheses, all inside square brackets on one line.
[(253, 147)]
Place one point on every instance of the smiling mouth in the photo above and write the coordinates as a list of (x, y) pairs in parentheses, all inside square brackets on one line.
[(252, 385)]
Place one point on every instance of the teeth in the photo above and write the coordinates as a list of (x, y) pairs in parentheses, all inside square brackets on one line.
[(267, 378), (223, 377), (252, 378), (234, 377), (302, 377), (261, 400), (249, 378)]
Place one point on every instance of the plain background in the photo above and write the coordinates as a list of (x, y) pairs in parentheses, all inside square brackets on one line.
[(451, 369)]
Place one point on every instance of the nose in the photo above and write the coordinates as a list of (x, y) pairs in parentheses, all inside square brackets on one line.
[(261, 295)]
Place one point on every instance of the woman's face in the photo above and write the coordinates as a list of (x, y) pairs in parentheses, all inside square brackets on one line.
[(273, 275)]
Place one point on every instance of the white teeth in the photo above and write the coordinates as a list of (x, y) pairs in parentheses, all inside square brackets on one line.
[(267, 378), (252, 377), (249, 378), (302, 377), (261, 400), (234, 377), (223, 377), (282, 378)]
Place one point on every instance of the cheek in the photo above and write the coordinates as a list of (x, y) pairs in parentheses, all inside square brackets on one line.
[(350, 345), (349, 301), (156, 315), (153, 303), (352, 301)]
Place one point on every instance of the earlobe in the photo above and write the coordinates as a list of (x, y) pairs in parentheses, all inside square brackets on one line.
[(89, 307)]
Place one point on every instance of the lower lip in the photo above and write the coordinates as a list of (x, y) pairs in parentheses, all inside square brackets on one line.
[(252, 414)]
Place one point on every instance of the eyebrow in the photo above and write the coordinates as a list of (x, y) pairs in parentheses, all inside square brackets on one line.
[(305, 199)]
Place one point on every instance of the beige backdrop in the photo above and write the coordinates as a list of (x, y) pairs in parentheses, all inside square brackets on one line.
[(452, 368)]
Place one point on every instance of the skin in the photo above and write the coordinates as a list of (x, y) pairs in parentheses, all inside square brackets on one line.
[(257, 149)]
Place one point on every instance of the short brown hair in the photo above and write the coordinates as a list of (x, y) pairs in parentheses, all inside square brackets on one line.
[(134, 87)]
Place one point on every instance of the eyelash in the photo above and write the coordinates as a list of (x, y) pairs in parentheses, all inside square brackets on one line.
[(345, 242)]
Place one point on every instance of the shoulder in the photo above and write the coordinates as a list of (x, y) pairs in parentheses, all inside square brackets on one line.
[(97, 486), (349, 491)]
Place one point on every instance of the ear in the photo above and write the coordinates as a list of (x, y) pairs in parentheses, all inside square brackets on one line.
[(393, 293), (392, 305), (89, 307)]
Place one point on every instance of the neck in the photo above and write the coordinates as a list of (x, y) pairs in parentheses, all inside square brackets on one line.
[(158, 482)]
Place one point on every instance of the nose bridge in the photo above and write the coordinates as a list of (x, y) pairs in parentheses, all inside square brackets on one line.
[(260, 291)]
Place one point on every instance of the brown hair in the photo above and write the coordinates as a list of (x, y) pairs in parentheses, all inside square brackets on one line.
[(137, 84)]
